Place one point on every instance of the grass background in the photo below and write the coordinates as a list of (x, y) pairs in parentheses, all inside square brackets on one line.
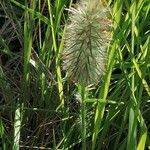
[(39, 106)]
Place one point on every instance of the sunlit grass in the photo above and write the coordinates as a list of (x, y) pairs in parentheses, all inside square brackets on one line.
[(42, 107)]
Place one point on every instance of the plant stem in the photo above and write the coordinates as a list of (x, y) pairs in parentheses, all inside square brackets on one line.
[(82, 90), (132, 140)]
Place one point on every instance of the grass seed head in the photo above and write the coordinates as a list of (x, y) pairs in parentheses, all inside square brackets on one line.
[(86, 39)]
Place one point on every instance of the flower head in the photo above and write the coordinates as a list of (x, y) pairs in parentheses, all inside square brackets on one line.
[(86, 40)]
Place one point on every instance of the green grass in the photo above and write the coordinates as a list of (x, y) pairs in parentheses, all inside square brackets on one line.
[(40, 107)]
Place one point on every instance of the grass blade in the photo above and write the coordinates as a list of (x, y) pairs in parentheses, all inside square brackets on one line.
[(17, 127)]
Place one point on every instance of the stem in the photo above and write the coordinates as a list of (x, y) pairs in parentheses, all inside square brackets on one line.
[(132, 140), (82, 90)]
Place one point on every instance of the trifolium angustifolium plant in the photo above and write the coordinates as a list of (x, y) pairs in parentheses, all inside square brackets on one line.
[(86, 39)]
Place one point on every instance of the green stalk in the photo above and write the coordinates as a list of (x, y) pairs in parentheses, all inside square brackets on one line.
[(28, 27), (82, 91), (103, 95), (132, 140), (45, 46), (105, 86), (17, 127), (143, 137), (56, 50)]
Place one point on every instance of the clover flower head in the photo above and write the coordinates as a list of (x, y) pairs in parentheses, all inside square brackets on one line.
[(86, 39)]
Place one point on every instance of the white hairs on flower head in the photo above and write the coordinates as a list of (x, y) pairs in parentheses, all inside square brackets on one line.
[(86, 39)]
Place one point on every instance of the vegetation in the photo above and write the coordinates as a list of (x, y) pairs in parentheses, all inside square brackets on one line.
[(48, 101)]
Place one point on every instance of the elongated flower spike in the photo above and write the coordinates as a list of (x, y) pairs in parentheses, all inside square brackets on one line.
[(86, 39)]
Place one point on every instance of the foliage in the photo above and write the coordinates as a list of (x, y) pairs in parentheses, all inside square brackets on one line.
[(42, 108)]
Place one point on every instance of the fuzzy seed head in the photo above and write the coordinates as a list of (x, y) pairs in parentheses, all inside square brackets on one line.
[(86, 39)]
